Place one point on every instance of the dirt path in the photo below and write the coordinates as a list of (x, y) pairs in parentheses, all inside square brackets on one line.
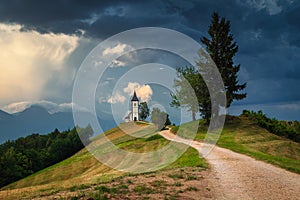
[(237, 176)]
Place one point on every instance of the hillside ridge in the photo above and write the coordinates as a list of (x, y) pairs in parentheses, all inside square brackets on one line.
[(240, 134)]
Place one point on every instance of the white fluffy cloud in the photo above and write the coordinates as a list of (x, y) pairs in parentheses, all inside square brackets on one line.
[(29, 59), (113, 50), (119, 48), (17, 106), (117, 63), (142, 91), (116, 98)]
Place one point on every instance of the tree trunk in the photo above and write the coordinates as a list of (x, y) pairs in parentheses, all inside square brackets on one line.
[(193, 116)]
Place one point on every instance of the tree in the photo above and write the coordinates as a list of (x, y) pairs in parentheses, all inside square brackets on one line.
[(144, 111), (159, 118), (168, 121), (201, 101), (13, 166), (189, 81), (222, 48)]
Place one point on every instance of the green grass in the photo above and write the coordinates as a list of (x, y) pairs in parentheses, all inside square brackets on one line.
[(242, 135), (158, 183), (191, 177), (82, 170), (178, 184), (190, 158), (176, 176), (144, 144), (143, 189)]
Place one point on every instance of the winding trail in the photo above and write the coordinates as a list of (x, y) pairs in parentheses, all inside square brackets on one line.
[(237, 176)]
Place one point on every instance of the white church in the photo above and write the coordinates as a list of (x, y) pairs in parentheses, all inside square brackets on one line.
[(134, 112)]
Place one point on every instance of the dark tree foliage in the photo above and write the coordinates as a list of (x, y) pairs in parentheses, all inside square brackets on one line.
[(222, 48), (144, 111), (14, 165), (30, 154), (168, 121), (288, 130)]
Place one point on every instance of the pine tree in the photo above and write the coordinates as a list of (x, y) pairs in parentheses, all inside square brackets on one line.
[(222, 48)]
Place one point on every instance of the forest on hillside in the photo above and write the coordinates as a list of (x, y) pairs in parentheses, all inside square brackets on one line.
[(26, 155)]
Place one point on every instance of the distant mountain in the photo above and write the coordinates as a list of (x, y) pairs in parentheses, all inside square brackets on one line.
[(37, 119), (4, 115)]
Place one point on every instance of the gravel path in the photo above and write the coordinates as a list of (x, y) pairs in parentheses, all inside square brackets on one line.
[(237, 176)]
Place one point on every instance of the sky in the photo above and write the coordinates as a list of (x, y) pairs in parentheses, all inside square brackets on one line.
[(43, 44)]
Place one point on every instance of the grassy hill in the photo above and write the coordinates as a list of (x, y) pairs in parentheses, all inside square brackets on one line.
[(82, 176), (83, 170), (244, 135)]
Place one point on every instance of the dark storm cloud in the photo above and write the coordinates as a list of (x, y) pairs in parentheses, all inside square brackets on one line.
[(62, 15), (267, 31), (55, 16), (293, 16), (104, 18)]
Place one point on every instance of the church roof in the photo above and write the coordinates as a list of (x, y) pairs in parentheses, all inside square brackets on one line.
[(134, 98)]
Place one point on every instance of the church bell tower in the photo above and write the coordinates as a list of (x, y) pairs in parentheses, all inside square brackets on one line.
[(135, 107)]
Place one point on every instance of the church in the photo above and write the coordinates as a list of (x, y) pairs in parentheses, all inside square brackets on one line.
[(134, 112)]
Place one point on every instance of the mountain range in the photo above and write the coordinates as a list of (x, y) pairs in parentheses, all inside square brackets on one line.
[(37, 119)]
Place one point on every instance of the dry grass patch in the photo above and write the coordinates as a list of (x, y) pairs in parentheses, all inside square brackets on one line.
[(158, 185)]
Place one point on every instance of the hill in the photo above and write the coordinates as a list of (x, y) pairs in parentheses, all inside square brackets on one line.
[(82, 176), (244, 134), (37, 119), (83, 171)]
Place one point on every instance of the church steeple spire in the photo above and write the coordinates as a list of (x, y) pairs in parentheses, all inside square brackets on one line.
[(134, 98)]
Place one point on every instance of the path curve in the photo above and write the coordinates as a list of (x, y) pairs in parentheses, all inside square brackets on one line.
[(237, 176)]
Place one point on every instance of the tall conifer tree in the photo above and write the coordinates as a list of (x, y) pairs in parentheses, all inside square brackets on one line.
[(222, 48)]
